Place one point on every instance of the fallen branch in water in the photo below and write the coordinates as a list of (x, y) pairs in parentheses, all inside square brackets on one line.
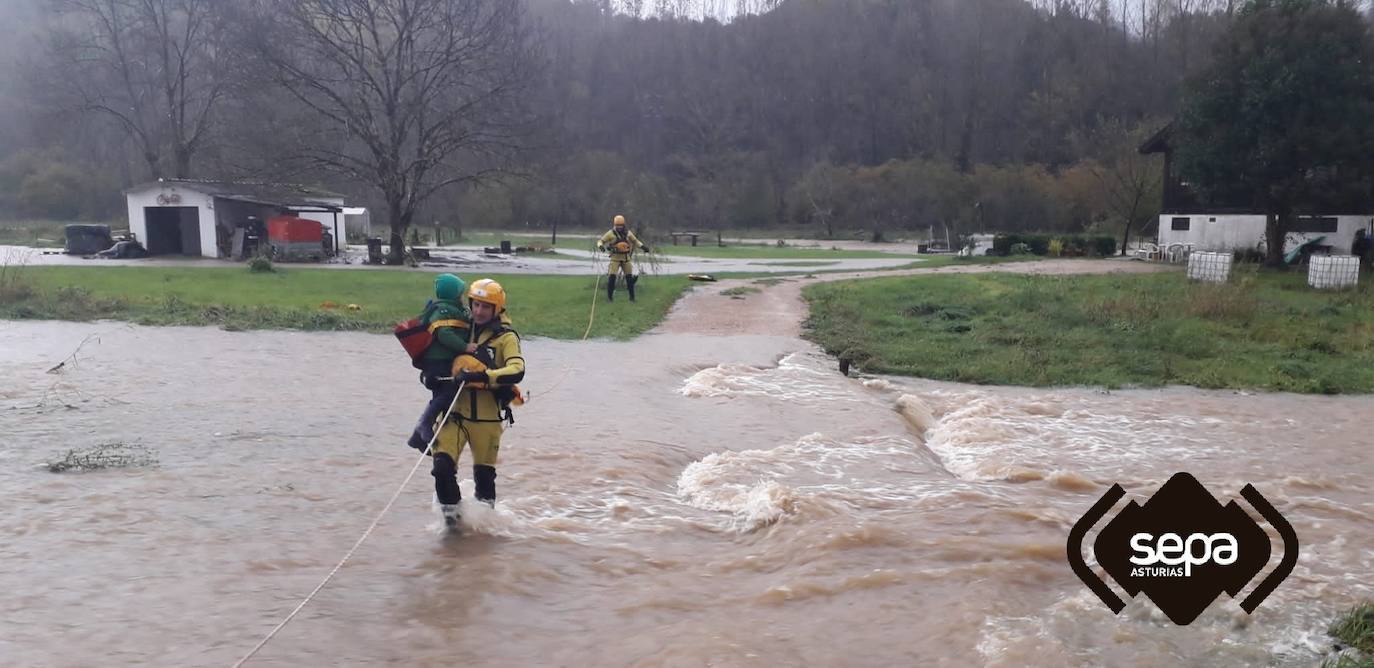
[(104, 456), (73, 357)]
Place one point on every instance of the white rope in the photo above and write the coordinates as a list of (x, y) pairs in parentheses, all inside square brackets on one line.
[(591, 318), (361, 539)]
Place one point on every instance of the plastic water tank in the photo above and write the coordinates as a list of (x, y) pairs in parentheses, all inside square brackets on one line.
[(1209, 267), (1326, 272)]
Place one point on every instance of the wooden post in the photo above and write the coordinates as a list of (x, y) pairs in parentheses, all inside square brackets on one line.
[(554, 240)]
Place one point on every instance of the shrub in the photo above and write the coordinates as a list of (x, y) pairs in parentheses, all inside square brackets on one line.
[(260, 264), (1044, 244)]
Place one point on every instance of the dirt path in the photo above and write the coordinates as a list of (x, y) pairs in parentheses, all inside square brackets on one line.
[(779, 310)]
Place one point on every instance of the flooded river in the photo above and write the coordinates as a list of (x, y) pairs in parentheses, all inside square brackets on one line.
[(680, 500)]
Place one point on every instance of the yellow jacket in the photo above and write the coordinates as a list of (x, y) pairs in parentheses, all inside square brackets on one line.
[(610, 237), (508, 368)]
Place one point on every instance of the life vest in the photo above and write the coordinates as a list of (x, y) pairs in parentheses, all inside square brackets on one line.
[(483, 359), (621, 245)]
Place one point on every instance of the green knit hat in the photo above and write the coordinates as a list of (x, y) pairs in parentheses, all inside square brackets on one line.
[(448, 286)]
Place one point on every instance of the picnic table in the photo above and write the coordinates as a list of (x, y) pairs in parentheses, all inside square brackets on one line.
[(677, 235)]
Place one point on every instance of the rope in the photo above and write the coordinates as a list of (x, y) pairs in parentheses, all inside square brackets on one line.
[(591, 319), (361, 539)]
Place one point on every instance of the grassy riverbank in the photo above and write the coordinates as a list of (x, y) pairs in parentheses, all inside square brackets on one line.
[(313, 299), (1264, 331)]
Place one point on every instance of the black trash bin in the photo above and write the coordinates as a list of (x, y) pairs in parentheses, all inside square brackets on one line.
[(87, 239), (374, 250), (505, 247)]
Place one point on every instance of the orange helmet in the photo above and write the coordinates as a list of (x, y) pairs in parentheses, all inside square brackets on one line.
[(488, 291), (619, 221)]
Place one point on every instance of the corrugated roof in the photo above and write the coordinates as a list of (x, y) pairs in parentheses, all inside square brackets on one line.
[(277, 194)]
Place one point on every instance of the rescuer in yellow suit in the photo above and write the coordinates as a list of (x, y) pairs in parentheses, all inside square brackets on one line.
[(489, 376), (621, 243)]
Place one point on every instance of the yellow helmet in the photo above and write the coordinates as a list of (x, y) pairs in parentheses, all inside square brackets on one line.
[(488, 291), (619, 221)]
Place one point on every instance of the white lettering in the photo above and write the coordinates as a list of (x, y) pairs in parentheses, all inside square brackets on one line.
[(1141, 544), (1171, 550), (1225, 543)]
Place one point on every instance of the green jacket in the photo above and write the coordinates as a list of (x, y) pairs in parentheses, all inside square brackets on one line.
[(449, 321)]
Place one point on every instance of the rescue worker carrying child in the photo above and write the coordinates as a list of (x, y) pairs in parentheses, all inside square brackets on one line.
[(488, 375)]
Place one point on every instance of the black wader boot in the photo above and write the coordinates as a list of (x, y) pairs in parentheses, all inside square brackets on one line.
[(610, 288), (445, 473), (484, 479), (630, 285)]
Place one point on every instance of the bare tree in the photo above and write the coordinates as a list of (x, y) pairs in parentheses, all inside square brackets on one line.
[(156, 67), (412, 96), (1131, 182)]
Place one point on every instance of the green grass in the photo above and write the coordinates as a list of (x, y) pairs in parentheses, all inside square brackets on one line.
[(763, 252), (803, 263), (932, 261), (494, 239), (1354, 629), (36, 233), (1263, 330), (708, 250), (234, 298), (1348, 661)]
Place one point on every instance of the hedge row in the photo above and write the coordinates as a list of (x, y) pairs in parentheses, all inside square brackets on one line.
[(1068, 245)]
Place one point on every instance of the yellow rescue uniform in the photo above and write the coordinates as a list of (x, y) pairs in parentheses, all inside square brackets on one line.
[(620, 247), (479, 413)]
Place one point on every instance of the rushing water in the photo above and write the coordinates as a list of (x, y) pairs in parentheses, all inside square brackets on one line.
[(677, 500)]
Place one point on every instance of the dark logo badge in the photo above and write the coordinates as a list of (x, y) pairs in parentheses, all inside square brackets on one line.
[(1182, 548)]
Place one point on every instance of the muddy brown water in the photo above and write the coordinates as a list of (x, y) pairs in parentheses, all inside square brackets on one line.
[(680, 500)]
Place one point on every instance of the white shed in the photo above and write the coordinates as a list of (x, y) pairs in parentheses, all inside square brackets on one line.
[(1189, 220), (1230, 231), (192, 217)]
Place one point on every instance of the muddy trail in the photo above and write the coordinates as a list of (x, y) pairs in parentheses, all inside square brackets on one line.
[(680, 500)]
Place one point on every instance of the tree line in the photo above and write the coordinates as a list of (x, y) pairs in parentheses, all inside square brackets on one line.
[(832, 116)]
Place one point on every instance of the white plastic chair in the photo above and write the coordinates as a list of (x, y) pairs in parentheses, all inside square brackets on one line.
[(1147, 251)]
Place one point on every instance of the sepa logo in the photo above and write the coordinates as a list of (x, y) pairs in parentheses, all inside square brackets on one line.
[(1182, 548)]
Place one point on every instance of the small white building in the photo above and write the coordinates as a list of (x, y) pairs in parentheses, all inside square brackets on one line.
[(1230, 232), (1219, 226), (193, 217)]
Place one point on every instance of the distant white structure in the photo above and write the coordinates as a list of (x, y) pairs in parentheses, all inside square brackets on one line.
[(357, 220), (192, 217), (1229, 232), (1187, 220)]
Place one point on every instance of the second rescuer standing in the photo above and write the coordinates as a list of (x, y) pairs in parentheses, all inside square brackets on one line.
[(620, 242)]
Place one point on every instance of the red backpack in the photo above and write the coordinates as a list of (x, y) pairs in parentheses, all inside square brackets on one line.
[(415, 337)]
